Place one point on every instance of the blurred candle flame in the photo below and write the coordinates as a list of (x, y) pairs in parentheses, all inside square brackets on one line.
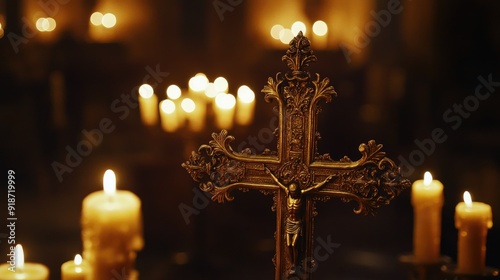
[(467, 199), (427, 178), (109, 182), (19, 256)]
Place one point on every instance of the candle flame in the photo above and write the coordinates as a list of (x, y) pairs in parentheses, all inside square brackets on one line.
[(467, 199), (225, 101), (245, 94), (210, 91), (199, 82), (221, 84), (286, 35), (19, 253), (298, 26), (174, 92), (275, 31), (188, 105), (108, 20), (146, 91), (96, 18), (167, 106), (427, 178), (109, 182), (78, 259), (320, 28)]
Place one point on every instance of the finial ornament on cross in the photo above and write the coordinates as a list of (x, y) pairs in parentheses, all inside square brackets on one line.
[(295, 173)]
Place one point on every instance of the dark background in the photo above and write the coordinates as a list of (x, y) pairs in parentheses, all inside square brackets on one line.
[(395, 91)]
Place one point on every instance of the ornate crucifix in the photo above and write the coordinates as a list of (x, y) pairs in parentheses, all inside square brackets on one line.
[(295, 173)]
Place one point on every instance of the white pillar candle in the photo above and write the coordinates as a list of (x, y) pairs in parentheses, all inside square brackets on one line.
[(76, 269), (224, 110), (111, 230), (19, 270), (195, 113), (245, 106), (148, 105), (427, 201), (472, 219), (168, 114)]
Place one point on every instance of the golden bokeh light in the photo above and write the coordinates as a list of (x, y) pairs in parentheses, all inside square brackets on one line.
[(96, 18), (221, 84), (45, 24), (320, 28), (173, 92), (188, 105), (146, 91), (286, 35), (298, 26), (225, 101), (108, 20), (245, 94), (275, 31), (167, 106)]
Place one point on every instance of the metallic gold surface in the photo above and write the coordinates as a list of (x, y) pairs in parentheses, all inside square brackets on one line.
[(295, 173)]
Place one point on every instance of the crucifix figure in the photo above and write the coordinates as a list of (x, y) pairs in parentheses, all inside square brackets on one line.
[(296, 174), (293, 225)]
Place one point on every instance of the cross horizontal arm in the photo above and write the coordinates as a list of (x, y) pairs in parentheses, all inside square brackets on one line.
[(371, 181), (219, 169)]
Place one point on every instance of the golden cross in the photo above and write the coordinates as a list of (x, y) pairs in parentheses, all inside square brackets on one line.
[(295, 173)]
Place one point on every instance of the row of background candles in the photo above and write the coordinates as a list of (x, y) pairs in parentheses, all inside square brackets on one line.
[(191, 106)]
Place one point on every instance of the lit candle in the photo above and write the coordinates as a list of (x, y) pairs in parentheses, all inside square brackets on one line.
[(472, 219), (320, 35), (224, 110), (194, 113), (76, 269), (245, 106), (148, 105), (427, 201), (17, 269), (111, 230), (168, 115)]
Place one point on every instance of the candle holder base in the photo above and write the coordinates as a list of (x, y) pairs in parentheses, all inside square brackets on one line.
[(423, 271), (450, 272)]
